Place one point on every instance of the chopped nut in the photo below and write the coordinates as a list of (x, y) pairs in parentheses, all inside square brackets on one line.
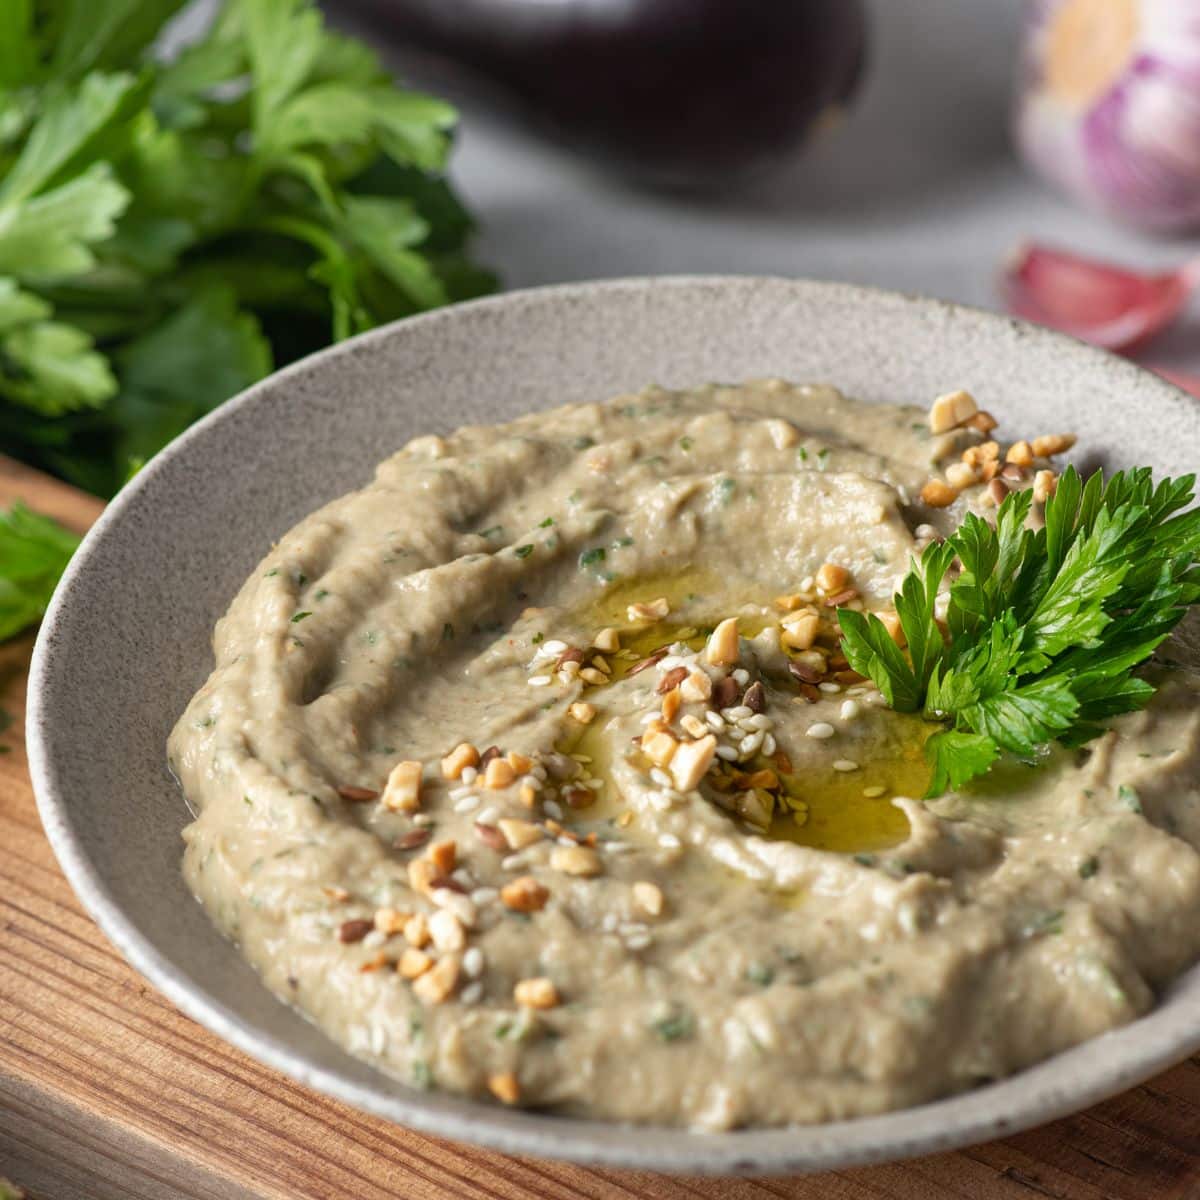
[(891, 622), (1019, 453), (390, 920), (755, 698), (539, 992), (403, 790), (960, 475), (646, 663), (444, 855), (572, 654), (524, 895), (354, 931), (656, 610), (696, 688), (499, 774), (521, 763), (439, 981), (987, 472), (691, 761), (1045, 484), (446, 931), (672, 679), (576, 860), (582, 711), (805, 672), (659, 746), (951, 410), (988, 451), (592, 676), (504, 1086), (1053, 443), (490, 753), (671, 703), (416, 930), (422, 875), (1012, 472), (490, 836), (997, 490), (694, 725), (938, 494), (839, 599), (578, 797), (789, 603), (601, 664), (832, 577), (413, 963), (983, 421), (519, 834), (607, 640), (463, 755), (722, 648), (724, 692), (799, 630), (337, 894), (648, 897), (356, 795), (527, 795)]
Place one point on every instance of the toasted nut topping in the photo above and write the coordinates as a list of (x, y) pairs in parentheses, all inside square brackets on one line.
[(528, 795), (463, 755), (789, 603), (997, 490), (832, 577), (439, 981), (691, 761), (490, 753), (722, 648), (356, 795), (1053, 443), (724, 692), (524, 895), (576, 860), (519, 834), (988, 451), (592, 676), (960, 475), (799, 630), (536, 993), (670, 705), (845, 596), (490, 836), (444, 855), (1045, 484), (648, 897), (659, 746), (504, 1086), (951, 410), (390, 920), (755, 698), (607, 640), (422, 875), (354, 931), (601, 664), (672, 679), (938, 494), (413, 963), (1012, 472), (1019, 453), (578, 797), (987, 472), (891, 622), (694, 725), (654, 611), (521, 763), (696, 688), (416, 930), (983, 421), (572, 654), (805, 672), (403, 790), (499, 773), (647, 662), (446, 931), (337, 894), (583, 712)]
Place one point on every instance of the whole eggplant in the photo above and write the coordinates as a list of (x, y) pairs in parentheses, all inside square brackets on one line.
[(684, 91)]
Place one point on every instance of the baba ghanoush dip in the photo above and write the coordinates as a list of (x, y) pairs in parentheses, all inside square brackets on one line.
[(534, 770)]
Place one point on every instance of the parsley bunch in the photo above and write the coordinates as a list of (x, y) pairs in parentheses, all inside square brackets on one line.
[(1045, 627), (170, 231)]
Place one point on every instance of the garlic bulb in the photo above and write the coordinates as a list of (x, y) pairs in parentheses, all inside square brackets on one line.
[(1109, 105)]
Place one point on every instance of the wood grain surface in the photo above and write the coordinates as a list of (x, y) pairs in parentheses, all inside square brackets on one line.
[(108, 1093)]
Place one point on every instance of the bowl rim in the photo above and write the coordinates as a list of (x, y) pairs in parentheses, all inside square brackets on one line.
[(1132, 1053)]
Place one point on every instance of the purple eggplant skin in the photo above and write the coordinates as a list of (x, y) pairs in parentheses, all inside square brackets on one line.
[(682, 91)]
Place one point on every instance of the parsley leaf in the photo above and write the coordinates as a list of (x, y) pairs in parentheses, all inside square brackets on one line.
[(1045, 626), (34, 551)]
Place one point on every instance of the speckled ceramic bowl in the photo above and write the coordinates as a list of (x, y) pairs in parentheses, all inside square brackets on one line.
[(126, 641)]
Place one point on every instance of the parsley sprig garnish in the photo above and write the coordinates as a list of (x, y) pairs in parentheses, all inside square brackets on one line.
[(1044, 627)]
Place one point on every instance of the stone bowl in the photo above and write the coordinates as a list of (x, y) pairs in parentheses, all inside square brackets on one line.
[(126, 640)]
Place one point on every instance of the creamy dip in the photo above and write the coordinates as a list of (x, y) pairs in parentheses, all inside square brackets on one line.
[(532, 771)]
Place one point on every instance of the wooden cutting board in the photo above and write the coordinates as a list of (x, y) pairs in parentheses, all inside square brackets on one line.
[(108, 1093)]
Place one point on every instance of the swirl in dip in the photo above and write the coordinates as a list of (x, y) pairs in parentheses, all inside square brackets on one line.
[(533, 769)]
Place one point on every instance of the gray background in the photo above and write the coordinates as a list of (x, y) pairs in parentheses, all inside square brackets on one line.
[(919, 190)]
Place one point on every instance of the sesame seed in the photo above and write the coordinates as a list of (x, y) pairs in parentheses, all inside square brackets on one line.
[(539, 772), (422, 819), (564, 841), (639, 941), (660, 801), (849, 710), (609, 923), (472, 993), (760, 721), (738, 713), (375, 938), (484, 895), (769, 745), (873, 793), (513, 862), (668, 841), (651, 716), (742, 676), (469, 775), (660, 777), (728, 753), (553, 647), (582, 758), (467, 803), (832, 688), (553, 809), (472, 962), (715, 720), (459, 792), (487, 815), (750, 743), (820, 729), (845, 764), (617, 847), (539, 680), (530, 780)]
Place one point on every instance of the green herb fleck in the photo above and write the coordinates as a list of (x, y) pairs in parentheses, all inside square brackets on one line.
[(447, 632), (247, 801), (1129, 797), (523, 551), (583, 442), (271, 572), (822, 459), (321, 593), (803, 454), (422, 1076), (1089, 867), (686, 444), (298, 617), (760, 973), (621, 542), (590, 558), (725, 489), (546, 523), (1044, 922), (538, 638), (492, 531), (676, 1026)]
